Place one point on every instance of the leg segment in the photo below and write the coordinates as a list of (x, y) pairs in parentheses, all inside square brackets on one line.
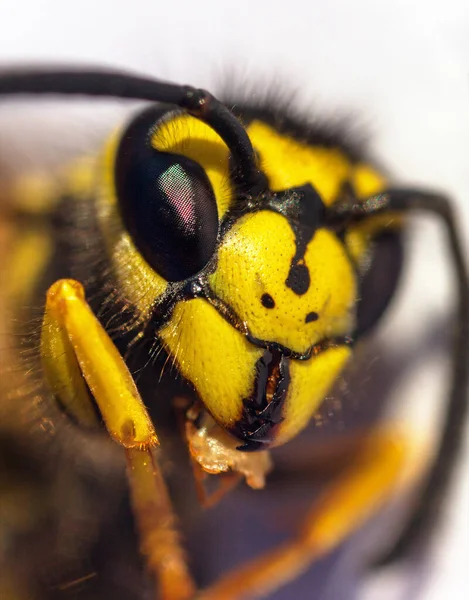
[(75, 349), (159, 539)]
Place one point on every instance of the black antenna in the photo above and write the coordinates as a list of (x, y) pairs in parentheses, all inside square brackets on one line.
[(427, 506), (101, 83)]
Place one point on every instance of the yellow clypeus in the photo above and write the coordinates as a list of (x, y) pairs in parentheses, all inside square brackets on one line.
[(255, 259)]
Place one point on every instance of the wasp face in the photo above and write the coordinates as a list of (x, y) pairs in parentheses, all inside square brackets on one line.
[(257, 294)]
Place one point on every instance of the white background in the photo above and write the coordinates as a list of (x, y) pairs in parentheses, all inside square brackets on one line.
[(402, 66)]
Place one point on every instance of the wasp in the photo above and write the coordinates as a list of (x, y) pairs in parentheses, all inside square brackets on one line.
[(249, 255)]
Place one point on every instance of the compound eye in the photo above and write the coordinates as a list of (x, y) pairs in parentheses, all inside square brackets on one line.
[(166, 202), (378, 285)]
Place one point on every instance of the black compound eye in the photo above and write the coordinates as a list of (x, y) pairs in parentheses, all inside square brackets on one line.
[(167, 203), (378, 285)]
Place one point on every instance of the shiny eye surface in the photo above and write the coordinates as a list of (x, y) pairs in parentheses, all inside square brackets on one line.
[(166, 202)]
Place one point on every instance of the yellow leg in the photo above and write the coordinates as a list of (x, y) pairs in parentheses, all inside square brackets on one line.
[(359, 492), (156, 521), (75, 349)]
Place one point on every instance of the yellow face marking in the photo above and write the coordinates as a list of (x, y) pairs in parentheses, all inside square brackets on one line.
[(255, 258), (214, 356), (190, 137), (310, 381), (367, 181), (289, 163)]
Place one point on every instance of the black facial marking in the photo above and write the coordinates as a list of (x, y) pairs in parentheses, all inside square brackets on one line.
[(298, 279), (267, 301), (311, 317), (305, 211)]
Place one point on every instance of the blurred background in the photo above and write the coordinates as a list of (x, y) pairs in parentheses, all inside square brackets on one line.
[(400, 67)]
